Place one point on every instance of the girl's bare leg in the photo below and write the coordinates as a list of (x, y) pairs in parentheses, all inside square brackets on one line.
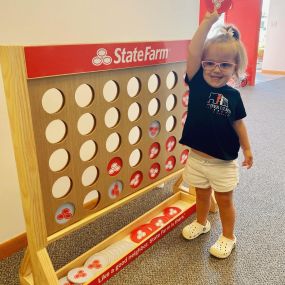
[(227, 212), (203, 202)]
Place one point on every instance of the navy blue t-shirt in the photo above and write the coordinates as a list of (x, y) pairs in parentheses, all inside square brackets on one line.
[(211, 113)]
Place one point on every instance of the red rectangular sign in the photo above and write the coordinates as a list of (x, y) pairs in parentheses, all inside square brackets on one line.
[(44, 61)]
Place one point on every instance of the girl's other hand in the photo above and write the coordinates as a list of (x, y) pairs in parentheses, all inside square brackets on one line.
[(248, 159)]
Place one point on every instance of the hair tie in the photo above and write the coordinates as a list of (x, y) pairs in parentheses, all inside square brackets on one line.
[(231, 32)]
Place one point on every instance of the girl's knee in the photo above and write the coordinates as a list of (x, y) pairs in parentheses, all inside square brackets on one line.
[(224, 198), (203, 194)]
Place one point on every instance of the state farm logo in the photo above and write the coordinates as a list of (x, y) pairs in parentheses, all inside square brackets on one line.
[(123, 55), (102, 57)]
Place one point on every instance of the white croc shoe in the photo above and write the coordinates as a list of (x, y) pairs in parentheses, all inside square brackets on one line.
[(195, 229), (223, 247)]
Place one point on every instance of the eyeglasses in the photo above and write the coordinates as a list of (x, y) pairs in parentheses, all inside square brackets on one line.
[(223, 66)]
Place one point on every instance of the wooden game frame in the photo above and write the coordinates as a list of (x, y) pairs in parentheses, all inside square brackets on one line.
[(36, 267)]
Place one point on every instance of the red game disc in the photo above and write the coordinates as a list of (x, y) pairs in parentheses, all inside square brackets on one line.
[(154, 150), (171, 212), (184, 117), (185, 98), (140, 233), (170, 144), (154, 171), (170, 163), (221, 5), (159, 221), (114, 166), (136, 179), (151, 226), (184, 156)]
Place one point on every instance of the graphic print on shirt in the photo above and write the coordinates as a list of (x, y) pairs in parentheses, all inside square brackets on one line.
[(218, 104)]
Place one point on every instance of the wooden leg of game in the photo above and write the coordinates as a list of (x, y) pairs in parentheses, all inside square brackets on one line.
[(25, 267), (19, 110), (177, 184), (37, 271)]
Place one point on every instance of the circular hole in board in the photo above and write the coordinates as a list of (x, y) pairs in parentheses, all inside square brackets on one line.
[(135, 157), (171, 79), (171, 102), (134, 111), (153, 83), (87, 150), (153, 106), (52, 100), (115, 189), (86, 124), (170, 123), (112, 117), (61, 187), (113, 142), (55, 131), (64, 213), (110, 90), (135, 135), (133, 87), (91, 200), (89, 175), (84, 95), (58, 160)]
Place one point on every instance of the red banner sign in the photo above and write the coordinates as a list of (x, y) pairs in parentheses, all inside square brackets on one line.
[(44, 61)]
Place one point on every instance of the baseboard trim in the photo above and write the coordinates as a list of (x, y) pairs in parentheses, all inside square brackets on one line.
[(276, 72), (13, 245)]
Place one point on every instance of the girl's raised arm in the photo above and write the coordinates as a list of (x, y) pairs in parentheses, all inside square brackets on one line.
[(195, 49)]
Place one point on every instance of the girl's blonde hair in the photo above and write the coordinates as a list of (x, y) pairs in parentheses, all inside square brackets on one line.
[(230, 34)]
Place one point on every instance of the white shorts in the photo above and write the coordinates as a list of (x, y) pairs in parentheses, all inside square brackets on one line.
[(220, 175)]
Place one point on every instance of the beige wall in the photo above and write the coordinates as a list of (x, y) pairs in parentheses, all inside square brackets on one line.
[(36, 22)]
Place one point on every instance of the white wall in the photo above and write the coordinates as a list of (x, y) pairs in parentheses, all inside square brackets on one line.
[(92, 21), (35, 22), (274, 55)]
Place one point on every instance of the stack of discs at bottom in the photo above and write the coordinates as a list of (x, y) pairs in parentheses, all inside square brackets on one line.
[(102, 259), (97, 263), (116, 250)]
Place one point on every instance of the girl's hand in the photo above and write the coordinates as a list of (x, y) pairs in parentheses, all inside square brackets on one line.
[(212, 16), (248, 159)]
